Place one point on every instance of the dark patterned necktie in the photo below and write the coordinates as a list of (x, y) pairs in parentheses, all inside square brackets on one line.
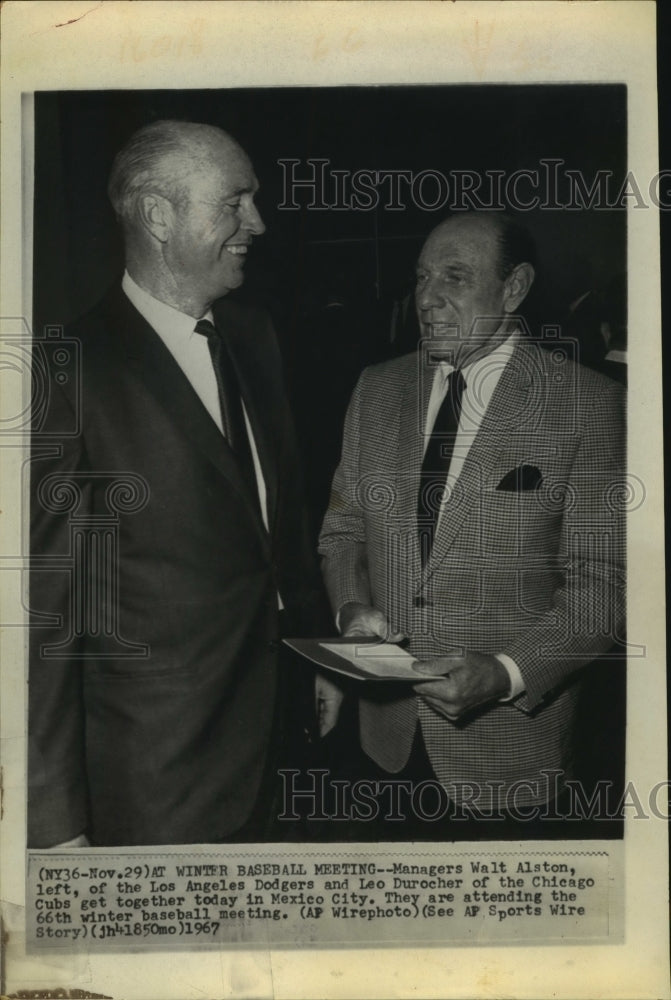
[(230, 402), (436, 463)]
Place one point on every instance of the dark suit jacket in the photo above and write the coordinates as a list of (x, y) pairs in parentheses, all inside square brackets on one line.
[(153, 684), (527, 560)]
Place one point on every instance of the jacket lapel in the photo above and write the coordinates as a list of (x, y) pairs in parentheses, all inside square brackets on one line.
[(412, 419), (146, 353)]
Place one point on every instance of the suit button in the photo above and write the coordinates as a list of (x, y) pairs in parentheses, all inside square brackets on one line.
[(421, 602)]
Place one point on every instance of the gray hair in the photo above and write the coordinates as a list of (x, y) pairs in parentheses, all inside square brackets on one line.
[(147, 163)]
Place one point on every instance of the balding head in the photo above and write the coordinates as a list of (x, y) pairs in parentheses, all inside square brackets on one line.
[(513, 241), (184, 193), (160, 158)]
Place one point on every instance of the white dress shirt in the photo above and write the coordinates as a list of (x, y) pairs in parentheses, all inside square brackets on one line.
[(192, 353), (481, 378)]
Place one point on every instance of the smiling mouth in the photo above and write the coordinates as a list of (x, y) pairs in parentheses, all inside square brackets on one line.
[(237, 249)]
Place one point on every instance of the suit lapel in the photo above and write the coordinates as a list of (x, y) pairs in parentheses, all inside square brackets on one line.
[(512, 404), (412, 419), (146, 353)]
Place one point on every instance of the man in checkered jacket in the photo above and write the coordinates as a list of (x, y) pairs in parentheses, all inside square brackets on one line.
[(505, 577)]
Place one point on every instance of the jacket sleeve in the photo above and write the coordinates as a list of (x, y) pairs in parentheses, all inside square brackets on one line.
[(57, 790), (587, 614), (342, 541)]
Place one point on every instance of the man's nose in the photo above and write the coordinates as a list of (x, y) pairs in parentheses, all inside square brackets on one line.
[(429, 296), (252, 220)]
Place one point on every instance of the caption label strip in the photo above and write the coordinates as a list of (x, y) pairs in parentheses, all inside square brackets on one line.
[(393, 894)]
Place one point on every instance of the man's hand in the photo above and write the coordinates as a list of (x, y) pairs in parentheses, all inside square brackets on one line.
[(328, 699), (362, 619), (465, 682), (354, 619)]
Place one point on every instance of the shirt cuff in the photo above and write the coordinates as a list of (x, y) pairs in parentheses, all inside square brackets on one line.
[(517, 685)]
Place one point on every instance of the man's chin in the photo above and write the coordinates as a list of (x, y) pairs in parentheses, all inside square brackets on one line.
[(441, 348), (233, 281)]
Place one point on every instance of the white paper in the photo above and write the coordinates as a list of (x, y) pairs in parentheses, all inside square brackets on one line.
[(385, 660)]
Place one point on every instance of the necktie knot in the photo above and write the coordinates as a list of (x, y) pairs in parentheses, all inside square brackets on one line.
[(206, 328)]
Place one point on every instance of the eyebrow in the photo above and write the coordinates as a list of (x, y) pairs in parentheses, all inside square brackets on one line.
[(249, 189), (443, 266)]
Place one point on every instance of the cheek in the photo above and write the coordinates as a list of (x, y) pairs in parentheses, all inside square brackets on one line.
[(496, 296), (459, 300), (192, 244), (452, 296), (227, 228), (206, 240), (211, 239), (482, 305), (212, 252)]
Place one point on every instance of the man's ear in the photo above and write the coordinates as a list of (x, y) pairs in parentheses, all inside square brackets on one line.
[(517, 286), (156, 215)]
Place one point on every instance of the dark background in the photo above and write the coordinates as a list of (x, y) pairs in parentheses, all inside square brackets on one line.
[(77, 247)]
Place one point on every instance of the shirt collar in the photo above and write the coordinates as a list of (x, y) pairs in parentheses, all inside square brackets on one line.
[(501, 355), (160, 316)]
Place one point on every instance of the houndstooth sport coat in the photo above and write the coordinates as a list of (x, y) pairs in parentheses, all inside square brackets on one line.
[(528, 560)]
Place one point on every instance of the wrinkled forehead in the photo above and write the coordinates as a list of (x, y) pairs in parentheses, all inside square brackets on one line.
[(469, 240)]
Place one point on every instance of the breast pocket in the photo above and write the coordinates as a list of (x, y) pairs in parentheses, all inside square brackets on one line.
[(519, 523)]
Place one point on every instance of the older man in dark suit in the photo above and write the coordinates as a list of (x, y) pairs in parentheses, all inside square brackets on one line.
[(167, 530), (475, 512)]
